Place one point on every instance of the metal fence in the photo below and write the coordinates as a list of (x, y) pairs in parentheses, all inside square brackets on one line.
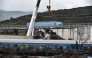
[(65, 25)]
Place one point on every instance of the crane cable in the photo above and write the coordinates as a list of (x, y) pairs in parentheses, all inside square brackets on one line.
[(49, 9)]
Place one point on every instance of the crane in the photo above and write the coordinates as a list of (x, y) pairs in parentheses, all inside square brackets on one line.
[(31, 25)]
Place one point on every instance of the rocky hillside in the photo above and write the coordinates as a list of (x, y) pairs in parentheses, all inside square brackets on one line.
[(6, 15)]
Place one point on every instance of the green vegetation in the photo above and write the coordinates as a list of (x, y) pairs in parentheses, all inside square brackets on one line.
[(13, 32), (16, 31), (75, 15)]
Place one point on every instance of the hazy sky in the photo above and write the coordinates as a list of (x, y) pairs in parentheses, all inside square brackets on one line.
[(28, 5)]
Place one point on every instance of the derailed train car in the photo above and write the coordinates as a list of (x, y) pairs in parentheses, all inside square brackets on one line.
[(47, 24), (36, 47)]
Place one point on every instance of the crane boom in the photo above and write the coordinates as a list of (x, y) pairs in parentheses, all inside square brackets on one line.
[(31, 25), (49, 2)]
